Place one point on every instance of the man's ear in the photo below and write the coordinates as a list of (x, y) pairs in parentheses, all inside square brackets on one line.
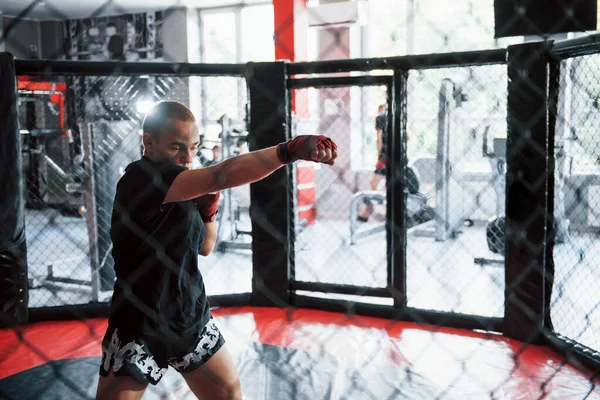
[(148, 141)]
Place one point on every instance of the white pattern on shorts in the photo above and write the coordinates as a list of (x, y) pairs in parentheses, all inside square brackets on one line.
[(207, 342), (134, 354)]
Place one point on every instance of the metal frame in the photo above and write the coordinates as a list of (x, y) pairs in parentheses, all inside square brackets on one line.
[(357, 81), (45, 68), (396, 285), (581, 46), (424, 61), (440, 318), (559, 51), (101, 310)]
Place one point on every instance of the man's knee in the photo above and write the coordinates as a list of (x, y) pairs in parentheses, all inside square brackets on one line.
[(230, 390), (123, 387)]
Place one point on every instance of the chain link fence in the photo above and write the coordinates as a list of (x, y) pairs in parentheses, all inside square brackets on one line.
[(575, 304), (79, 135), (327, 205), (457, 141), (431, 131)]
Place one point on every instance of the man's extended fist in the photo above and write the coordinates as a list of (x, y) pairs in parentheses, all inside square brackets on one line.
[(208, 205), (316, 148)]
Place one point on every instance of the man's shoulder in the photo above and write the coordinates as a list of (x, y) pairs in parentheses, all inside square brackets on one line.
[(144, 166), (147, 173), (134, 168)]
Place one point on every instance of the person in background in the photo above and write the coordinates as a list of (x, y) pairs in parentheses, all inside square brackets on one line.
[(379, 173), (115, 45)]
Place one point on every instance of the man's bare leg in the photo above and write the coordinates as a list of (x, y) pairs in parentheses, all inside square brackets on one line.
[(217, 379), (113, 387)]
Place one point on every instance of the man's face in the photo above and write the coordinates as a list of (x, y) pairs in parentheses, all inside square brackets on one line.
[(178, 143)]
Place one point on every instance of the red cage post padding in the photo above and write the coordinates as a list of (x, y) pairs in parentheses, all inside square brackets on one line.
[(291, 26)]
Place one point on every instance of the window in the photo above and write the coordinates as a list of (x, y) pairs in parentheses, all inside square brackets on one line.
[(257, 29), (232, 35), (219, 37), (398, 27)]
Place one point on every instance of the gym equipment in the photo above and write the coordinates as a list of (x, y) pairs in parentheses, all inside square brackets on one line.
[(49, 164), (229, 234), (417, 210), (364, 196), (497, 159), (53, 173), (52, 179), (495, 227), (451, 209), (494, 233), (494, 230)]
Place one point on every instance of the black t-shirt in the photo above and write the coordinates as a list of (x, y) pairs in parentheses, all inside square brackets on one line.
[(155, 248), (381, 124), (116, 48)]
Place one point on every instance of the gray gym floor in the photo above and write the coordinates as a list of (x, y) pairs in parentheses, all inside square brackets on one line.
[(441, 275)]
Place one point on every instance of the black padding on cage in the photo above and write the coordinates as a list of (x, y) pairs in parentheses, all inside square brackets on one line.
[(541, 17), (13, 250), (271, 198), (527, 293)]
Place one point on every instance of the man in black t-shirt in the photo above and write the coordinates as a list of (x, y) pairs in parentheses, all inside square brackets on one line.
[(115, 45), (379, 173), (163, 218)]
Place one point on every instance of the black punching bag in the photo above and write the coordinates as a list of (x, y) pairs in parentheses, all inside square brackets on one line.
[(543, 17)]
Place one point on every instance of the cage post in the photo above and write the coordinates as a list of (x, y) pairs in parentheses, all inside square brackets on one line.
[(13, 249), (271, 198), (90, 205), (396, 174), (527, 295)]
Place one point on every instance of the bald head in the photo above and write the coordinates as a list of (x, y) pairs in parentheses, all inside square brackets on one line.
[(161, 116)]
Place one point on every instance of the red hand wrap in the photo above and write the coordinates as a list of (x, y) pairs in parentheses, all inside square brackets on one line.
[(301, 147), (208, 206)]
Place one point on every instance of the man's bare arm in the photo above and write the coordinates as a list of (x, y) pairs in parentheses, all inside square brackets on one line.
[(210, 239), (250, 167), (233, 172)]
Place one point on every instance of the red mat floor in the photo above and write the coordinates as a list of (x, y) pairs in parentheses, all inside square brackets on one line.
[(329, 355)]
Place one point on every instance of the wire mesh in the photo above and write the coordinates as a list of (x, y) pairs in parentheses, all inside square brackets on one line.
[(69, 214), (328, 202), (577, 199), (80, 132), (457, 141)]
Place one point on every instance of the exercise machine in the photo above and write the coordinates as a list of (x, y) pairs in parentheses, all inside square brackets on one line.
[(231, 140), (451, 210), (52, 176), (417, 210), (230, 235), (495, 227)]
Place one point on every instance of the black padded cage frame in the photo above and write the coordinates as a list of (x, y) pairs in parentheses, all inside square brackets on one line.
[(532, 95), (554, 53)]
